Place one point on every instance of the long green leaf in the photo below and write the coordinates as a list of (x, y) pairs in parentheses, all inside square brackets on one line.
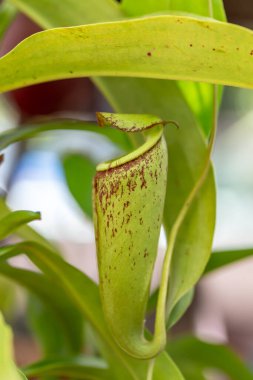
[(14, 220), (181, 48), (69, 12), (79, 172), (24, 231), (62, 338), (33, 130), (74, 368), (8, 369), (222, 258), (199, 354), (60, 307), (180, 308), (84, 293), (50, 329), (202, 7)]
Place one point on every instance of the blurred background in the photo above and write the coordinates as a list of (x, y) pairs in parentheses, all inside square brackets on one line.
[(35, 173)]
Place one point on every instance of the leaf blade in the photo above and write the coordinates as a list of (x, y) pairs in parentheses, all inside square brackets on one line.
[(84, 51), (219, 259), (33, 130), (207, 355), (14, 220), (78, 368), (79, 172), (51, 295)]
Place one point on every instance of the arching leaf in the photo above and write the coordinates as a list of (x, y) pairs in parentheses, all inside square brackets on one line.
[(14, 220), (182, 48), (32, 130), (219, 259), (86, 368), (190, 352)]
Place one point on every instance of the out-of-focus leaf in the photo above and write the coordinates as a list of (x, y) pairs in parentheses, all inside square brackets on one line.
[(180, 308), (24, 231), (56, 337), (84, 293), (30, 131), (194, 352), (7, 296), (79, 172), (200, 7), (69, 12), (23, 377), (222, 258), (48, 332), (85, 368), (183, 48), (62, 309), (14, 220), (7, 14), (8, 369)]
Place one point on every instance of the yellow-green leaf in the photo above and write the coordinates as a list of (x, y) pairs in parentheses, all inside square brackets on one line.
[(180, 48), (8, 369)]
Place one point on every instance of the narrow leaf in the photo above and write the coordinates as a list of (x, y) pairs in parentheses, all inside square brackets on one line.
[(60, 306), (202, 7), (69, 12), (181, 48), (14, 220), (24, 231), (222, 258), (33, 130), (74, 368), (180, 308), (209, 356), (79, 172)]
